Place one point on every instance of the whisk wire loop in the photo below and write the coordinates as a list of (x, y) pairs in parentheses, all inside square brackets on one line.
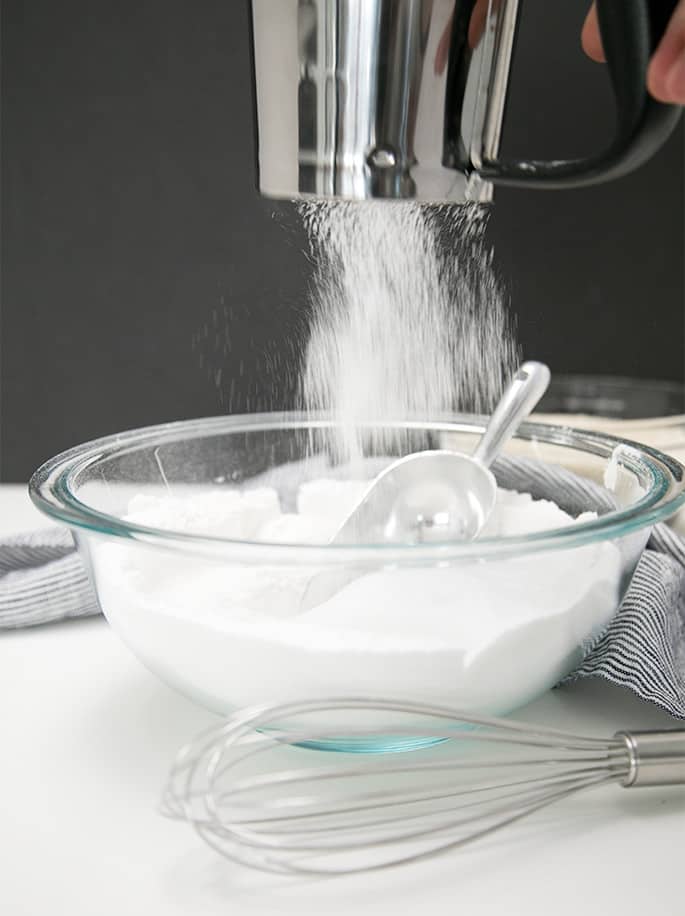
[(381, 810)]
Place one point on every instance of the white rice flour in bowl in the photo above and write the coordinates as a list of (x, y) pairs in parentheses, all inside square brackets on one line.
[(202, 537)]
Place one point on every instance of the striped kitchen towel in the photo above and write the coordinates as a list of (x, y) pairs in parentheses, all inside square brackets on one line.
[(42, 580)]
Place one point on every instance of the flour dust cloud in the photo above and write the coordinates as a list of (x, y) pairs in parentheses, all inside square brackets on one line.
[(409, 319)]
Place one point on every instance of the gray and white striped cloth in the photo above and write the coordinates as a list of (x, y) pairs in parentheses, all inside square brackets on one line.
[(43, 580)]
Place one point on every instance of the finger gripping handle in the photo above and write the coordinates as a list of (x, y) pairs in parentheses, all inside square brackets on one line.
[(631, 30)]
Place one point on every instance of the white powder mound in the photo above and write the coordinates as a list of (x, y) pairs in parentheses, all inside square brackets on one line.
[(481, 635), (222, 513)]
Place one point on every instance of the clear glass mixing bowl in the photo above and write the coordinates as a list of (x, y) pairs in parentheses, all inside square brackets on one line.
[(485, 626)]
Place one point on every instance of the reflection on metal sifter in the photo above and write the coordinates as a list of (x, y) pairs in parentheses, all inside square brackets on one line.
[(405, 99)]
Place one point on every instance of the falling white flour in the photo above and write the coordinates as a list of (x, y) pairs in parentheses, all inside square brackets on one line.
[(409, 323), (409, 320), (232, 631)]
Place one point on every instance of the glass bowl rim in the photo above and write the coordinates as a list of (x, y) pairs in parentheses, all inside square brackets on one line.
[(50, 489)]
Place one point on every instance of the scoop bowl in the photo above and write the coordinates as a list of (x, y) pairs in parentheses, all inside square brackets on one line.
[(432, 496), (443, 495)]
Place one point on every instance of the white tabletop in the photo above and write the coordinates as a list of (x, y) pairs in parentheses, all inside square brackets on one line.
[(88, 734)]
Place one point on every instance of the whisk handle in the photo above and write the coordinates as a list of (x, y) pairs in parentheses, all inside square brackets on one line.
[(655, 758)]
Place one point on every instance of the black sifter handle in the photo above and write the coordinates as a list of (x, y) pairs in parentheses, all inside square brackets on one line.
[(631, 30)]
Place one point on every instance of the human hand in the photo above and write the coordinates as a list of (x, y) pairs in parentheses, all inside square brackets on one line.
[(666, 73)]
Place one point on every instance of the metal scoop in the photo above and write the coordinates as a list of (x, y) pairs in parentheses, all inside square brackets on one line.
[(443, 495), (434, 496)]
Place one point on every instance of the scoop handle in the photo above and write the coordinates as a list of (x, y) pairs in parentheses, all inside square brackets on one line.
[(520, 397)]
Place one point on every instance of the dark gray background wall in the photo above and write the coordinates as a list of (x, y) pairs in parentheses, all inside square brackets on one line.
[(144, 280)]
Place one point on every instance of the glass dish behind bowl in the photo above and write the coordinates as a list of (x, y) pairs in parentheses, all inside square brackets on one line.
[(181, 600), (627, 400)]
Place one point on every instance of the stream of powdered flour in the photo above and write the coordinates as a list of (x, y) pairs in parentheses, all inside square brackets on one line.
[(409, 318)]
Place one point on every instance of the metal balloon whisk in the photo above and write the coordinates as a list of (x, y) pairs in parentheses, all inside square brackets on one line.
[(254, 791)]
